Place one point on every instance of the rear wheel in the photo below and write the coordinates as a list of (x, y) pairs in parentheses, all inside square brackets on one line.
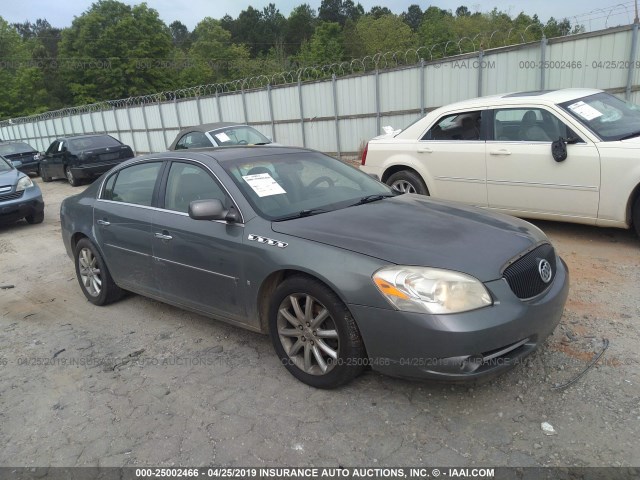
[(93, 276), (73, 181), (636, 215), (314, 334), (406, 181)]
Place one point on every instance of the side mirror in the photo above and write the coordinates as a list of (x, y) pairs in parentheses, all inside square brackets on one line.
[(210, 209), (16, 163), (559, 150)]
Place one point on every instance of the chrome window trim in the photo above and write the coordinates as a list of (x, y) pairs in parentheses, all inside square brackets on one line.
[(101, 190)]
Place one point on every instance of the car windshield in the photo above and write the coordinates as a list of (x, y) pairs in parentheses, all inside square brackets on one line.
[(13, 148), (238, 135), (286, 186), (88, 143), (5, 165), (607, 116)]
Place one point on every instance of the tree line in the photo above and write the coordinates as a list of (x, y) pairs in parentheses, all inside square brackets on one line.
[(114, 50)]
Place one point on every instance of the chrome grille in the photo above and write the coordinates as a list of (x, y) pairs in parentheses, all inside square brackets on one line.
[(523, 275), (10, 196)]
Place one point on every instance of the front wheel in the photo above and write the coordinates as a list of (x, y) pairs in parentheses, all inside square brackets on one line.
[(406, 181), (94, 277), (314, 334), (73, 181)]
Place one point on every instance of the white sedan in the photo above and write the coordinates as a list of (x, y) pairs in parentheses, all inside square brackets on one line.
[(570, 155)]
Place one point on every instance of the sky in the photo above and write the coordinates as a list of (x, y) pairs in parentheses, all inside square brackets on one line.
[(593, 14)]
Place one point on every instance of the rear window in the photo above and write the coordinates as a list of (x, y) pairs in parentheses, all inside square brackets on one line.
[(89, 143), (13, 148)]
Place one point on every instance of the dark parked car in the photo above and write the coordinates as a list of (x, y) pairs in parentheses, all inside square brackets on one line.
[(20, 197), (339, 269), (221, 134), (82, 157), (20, 151)]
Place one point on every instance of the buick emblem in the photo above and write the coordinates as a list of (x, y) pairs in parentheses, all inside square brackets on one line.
[(544, 269)]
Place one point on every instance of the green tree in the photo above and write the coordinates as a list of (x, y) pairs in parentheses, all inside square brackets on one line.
[(384, 34), (413, 17), (213, 58), (114, 50), (300, 27), (324, 47), (180, 35), (378, 11)]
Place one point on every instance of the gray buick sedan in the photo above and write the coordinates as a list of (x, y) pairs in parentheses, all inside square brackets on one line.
[(342, 272)]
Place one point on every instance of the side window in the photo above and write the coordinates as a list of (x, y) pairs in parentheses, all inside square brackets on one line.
[(528, 125), (457, 126), (186, 183), (62, 147), (53, 148), (133, 184), (193, 140)]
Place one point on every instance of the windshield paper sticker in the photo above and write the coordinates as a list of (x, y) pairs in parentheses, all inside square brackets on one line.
[(585, 111), (223, 137), (263, 184)]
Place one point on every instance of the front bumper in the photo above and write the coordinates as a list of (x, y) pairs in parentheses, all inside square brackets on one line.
[(29, 203), (463, 346), (30, 167)]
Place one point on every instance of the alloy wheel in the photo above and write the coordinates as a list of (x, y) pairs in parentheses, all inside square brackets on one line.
[(90, 272)]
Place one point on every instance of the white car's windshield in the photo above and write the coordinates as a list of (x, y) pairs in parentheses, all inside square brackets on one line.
[(607, 116), (296, 185)]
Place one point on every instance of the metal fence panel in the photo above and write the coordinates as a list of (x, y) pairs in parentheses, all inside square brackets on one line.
[(317, 110)]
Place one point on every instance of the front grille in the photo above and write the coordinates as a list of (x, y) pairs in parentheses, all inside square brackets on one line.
[(523, 275), (11, 196)]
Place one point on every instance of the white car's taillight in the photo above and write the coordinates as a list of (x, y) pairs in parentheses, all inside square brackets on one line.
[(364, 154)]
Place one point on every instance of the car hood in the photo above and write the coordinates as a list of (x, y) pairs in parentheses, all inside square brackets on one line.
[(10, 177), (417, 230)]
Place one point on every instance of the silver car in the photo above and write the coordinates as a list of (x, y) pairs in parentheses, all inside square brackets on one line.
[(341, 271)]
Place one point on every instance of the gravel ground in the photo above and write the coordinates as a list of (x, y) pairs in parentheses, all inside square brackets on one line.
[(141, 383)]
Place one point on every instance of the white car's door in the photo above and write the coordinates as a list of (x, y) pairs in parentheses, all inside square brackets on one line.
[(524, 179), (452, 152)]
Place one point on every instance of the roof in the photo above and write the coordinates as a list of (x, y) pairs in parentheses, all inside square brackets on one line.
[(536, 96), (207, 127), (75, 137), (226, 154)]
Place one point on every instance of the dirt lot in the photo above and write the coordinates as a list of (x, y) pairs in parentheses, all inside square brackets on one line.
[(141, 383)]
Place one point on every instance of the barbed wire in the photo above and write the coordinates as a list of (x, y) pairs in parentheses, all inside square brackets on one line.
[(379, 61)]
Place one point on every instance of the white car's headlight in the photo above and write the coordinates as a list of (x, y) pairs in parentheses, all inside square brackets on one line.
[(430, 290), (23, 184)]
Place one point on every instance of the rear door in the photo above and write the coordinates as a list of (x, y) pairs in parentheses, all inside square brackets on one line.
[(122, 217), (197, 263), (453, 152), (524, 179)]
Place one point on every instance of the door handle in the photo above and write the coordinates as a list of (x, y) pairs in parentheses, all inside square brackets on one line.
[(103, 222), (162, 236), (502, 151), (424, 150)]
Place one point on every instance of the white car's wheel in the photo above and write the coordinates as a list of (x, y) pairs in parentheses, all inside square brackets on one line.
[(406, 181)]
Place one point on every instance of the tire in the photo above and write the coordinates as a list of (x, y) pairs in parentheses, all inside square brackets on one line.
[(636, 215), (406, 181), (45, 178), (336, 332), (35, 218), (93, 276), (73, 181)]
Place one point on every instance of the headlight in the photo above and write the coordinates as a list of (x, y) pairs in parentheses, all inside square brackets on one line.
[(430, 290), (24, 183)]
